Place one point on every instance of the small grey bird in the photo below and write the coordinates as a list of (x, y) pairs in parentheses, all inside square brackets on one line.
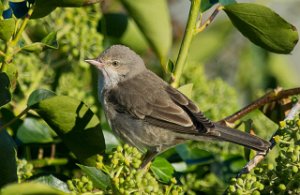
[(146, 112)]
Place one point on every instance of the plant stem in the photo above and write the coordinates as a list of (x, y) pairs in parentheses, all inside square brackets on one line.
[(189, 33)]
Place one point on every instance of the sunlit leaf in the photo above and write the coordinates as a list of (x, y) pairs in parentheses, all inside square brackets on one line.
[(186, 89), (263, 27), (100, 179), (162, 169)]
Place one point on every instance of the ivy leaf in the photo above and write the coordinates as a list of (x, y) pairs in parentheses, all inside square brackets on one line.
[(153, 19), (162, 169), (7, 27), (263, 27), (5, 95), (39, 95), (33, 131), (99, 178), (194, 155), (74, 122)]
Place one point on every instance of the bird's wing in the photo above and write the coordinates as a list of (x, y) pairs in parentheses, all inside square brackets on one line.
[(158, 104)]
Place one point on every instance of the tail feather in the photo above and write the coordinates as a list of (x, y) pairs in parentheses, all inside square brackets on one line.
[(221, 132)]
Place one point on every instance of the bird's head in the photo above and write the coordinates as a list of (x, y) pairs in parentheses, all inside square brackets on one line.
[(116, 64)]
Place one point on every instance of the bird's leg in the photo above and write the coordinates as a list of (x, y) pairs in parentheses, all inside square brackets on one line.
[(150, 154)]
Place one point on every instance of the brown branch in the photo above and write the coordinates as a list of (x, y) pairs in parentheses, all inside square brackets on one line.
[(260, 156), (272, 96)]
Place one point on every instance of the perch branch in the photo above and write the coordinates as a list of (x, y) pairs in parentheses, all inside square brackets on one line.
[(260, 156), (272, 96)]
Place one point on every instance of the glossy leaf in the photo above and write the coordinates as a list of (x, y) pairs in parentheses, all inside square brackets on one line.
[(5, 95), (30, 188), (34, 131), (263, 27), (99, 178), (7, 27), (53, 182), (39, 95), (162, 169), (75, 123), (153, 19)]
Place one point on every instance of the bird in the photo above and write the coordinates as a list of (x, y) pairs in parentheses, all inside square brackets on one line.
[(145, 111)]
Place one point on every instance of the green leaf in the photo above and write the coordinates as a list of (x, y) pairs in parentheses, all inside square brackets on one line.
[(75, 123), (39, 95), (153, 19), (263, 27), (194, 155), (53, 182), (5, 95), (8, 170), (162, 169), (99, 178), (186, 89), (7, 28), (34, 131), (30, 188), (50, 41)]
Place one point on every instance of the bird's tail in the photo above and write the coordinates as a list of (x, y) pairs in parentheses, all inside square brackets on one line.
[(224, 133)]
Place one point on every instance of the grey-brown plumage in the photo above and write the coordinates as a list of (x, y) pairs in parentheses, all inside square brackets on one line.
[(146, 112)]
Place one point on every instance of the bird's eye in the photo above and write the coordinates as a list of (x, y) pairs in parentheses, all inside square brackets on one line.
[(115, 63)]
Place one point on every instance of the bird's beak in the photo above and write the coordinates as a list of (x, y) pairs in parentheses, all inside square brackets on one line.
[(95, 63)]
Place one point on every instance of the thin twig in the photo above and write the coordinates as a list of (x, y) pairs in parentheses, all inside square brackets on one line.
[(260, 156), (272, 96), (14, 119)]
